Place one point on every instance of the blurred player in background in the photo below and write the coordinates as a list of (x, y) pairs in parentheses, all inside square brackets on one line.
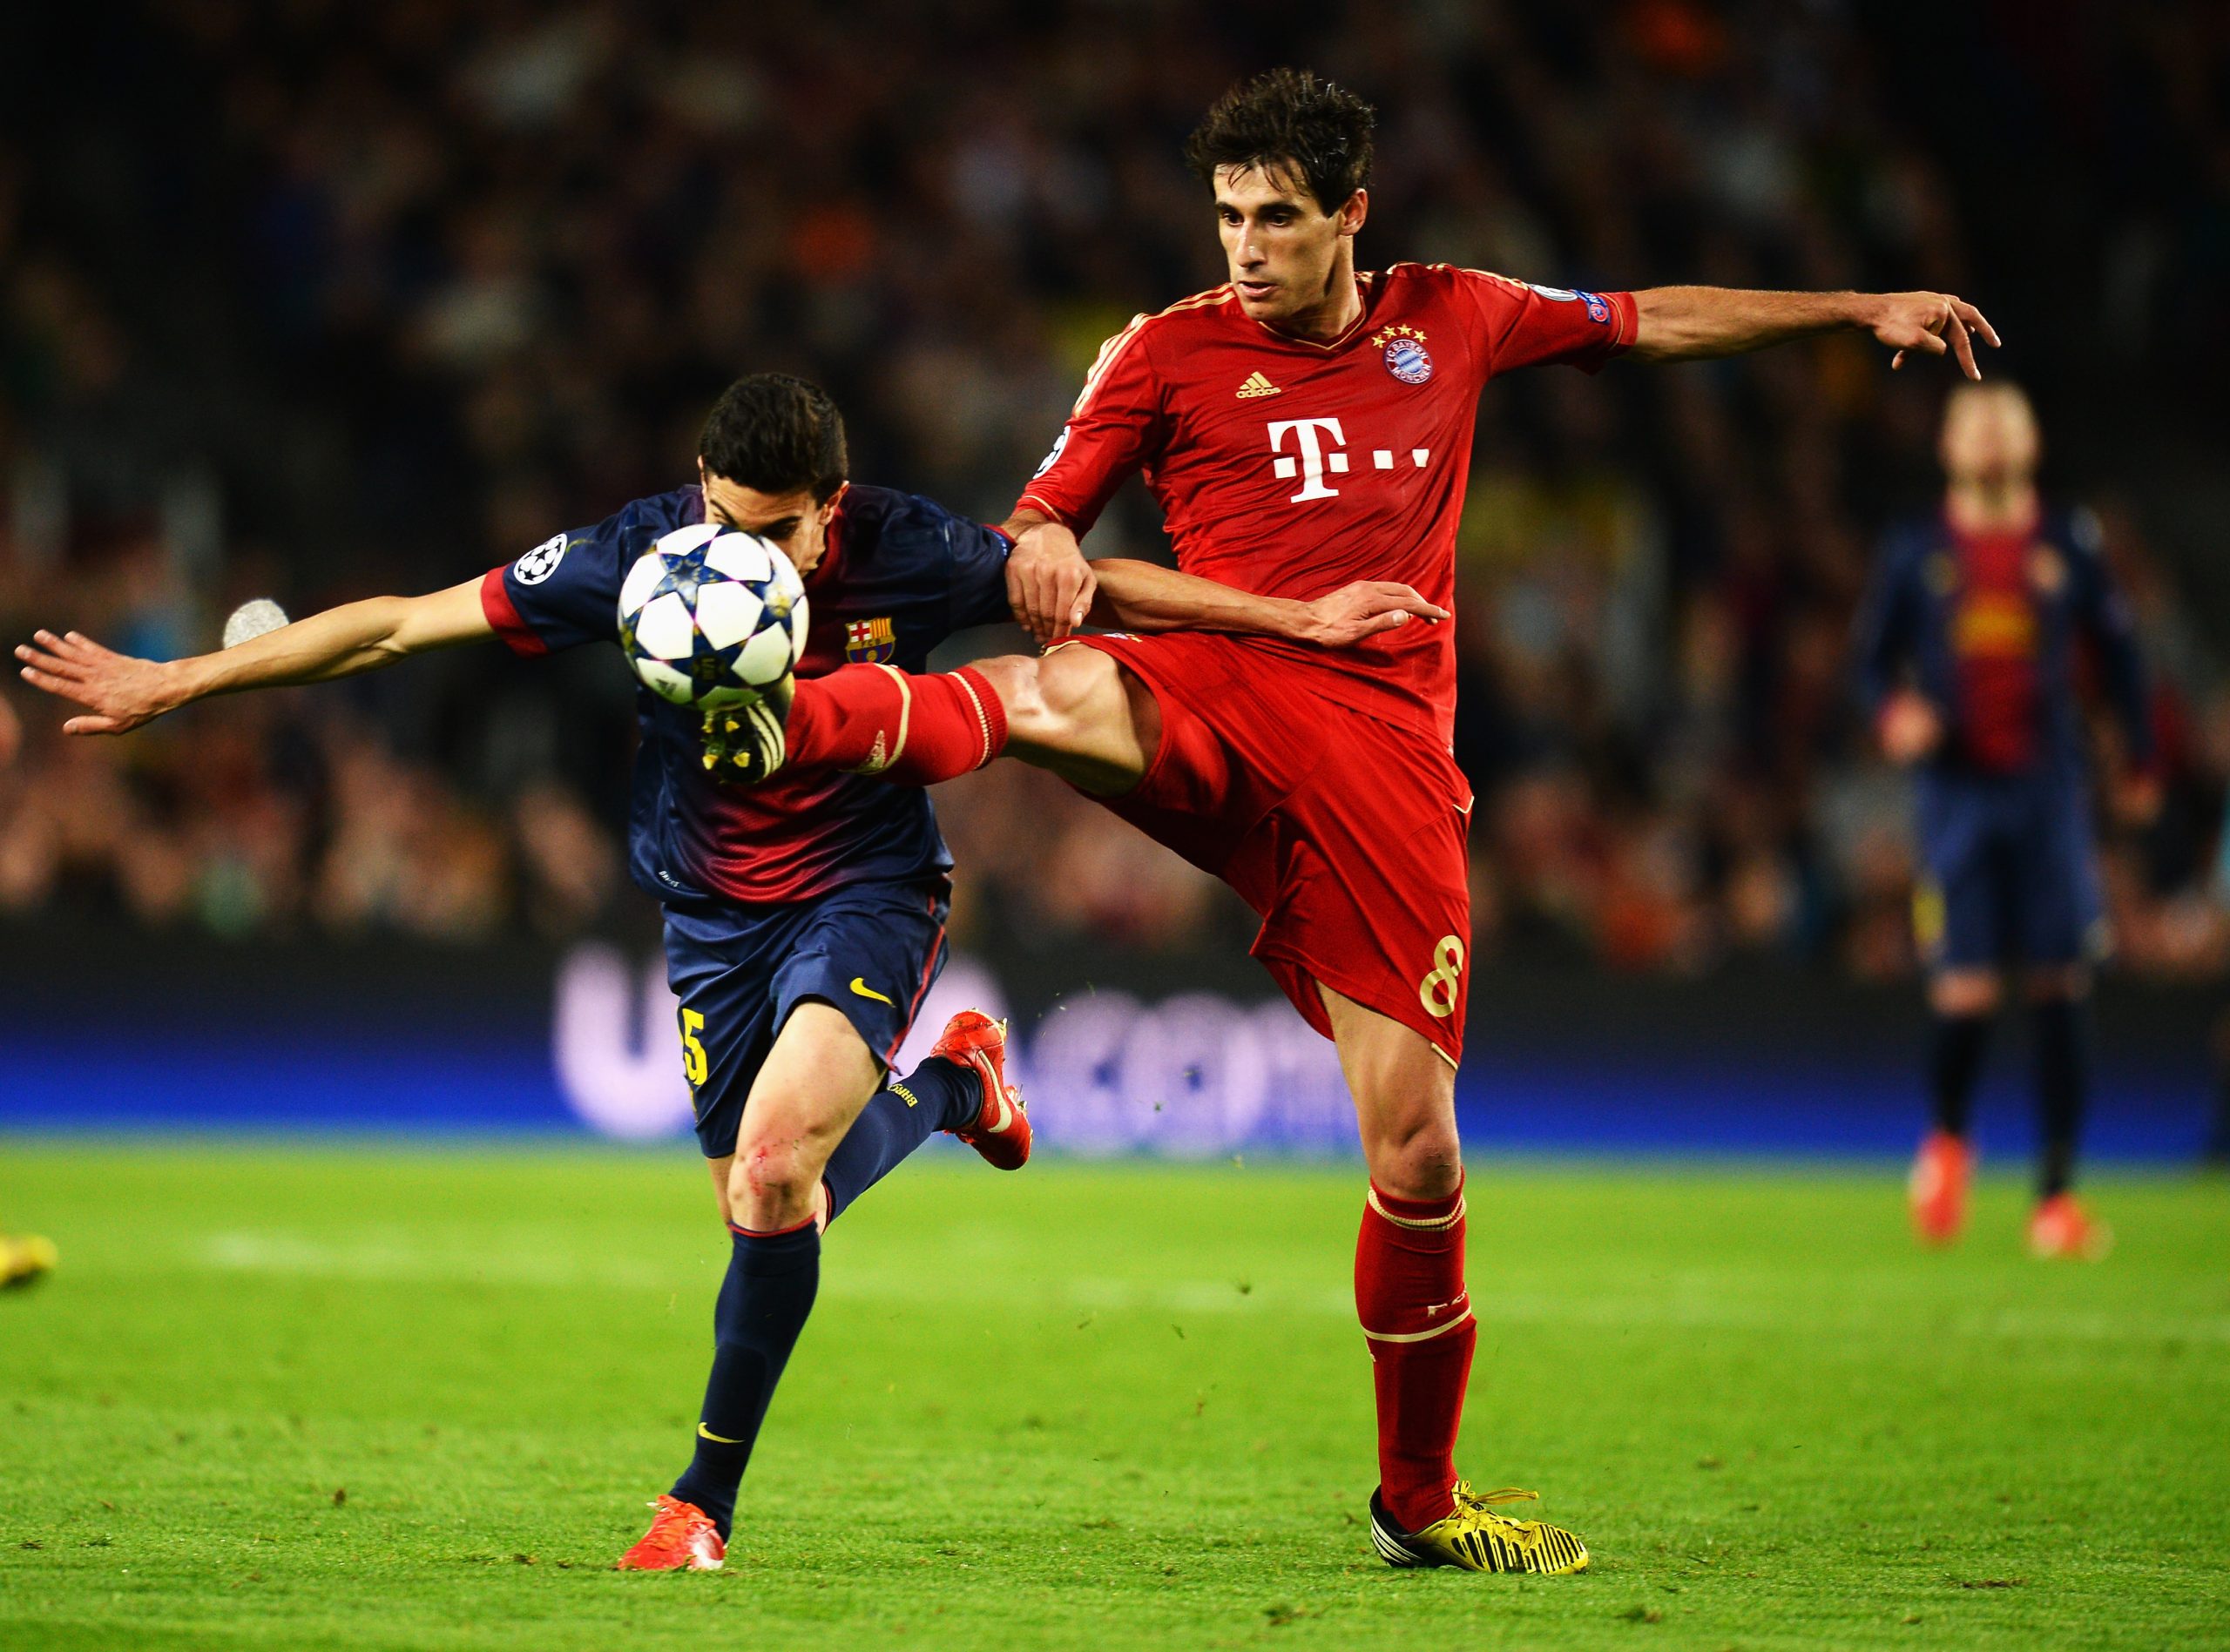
[(1303, 425), (23, 1257), (1971, 646)]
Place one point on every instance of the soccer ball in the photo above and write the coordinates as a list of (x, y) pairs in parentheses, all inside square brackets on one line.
[(712, 617)]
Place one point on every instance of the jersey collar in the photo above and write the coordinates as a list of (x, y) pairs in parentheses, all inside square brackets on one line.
[(1347, 334), (831, 549)]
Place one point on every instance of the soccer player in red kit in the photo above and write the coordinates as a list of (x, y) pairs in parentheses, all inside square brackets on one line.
[(1306, 429)]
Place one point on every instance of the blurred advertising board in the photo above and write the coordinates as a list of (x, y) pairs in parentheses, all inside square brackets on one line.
[(1184, 1059)]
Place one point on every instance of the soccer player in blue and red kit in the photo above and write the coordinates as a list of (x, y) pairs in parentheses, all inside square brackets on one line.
[(1305, 424), (804, 918), (1971, 644)]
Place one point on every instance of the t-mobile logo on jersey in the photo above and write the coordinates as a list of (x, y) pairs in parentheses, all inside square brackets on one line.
[(1313, 461)]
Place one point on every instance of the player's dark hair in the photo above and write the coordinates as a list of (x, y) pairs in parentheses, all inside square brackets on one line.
[(1287, 117), (776, 433)]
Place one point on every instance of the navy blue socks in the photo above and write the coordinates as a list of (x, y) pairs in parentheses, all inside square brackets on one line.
[(1955, 1062), (2063, 1082), (939, 1095), (763, 1305)]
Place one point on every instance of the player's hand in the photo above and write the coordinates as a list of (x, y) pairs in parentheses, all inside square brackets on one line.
[(1361, 610), (120, 692), (1910, 728), (1933, 324), (1049, 585)]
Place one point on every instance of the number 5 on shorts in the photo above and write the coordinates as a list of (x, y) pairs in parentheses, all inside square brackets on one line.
[(693, 1065), (1439, 989)]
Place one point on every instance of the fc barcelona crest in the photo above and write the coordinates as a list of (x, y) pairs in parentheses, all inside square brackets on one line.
[(870, 642)]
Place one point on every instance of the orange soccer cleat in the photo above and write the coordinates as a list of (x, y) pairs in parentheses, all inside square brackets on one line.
[(682, 1538), (1000, 1132), (2060, 1227), (1938, 1189)]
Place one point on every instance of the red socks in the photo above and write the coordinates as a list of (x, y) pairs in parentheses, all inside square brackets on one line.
[(1409, 1295), (915, 730)]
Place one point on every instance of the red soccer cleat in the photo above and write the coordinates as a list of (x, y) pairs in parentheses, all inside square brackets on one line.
[(1000, 1132), (2063, 1228), (1938, 1188), (682, 1538)]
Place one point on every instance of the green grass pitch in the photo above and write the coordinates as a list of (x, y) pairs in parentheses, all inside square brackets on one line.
[(353, 1397)]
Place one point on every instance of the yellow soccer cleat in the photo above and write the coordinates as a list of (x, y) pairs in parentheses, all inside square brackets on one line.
[(24, 1258), (1478, 1540)]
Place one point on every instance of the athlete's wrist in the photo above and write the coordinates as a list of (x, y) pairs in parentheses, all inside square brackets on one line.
[(1298, 621), (181, 682), (1860, 312)]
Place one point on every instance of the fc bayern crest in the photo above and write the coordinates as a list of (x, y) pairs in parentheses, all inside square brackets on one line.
[(1407, 360)]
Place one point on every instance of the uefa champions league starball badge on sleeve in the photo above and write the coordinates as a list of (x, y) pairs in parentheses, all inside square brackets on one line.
[(1406, 358)]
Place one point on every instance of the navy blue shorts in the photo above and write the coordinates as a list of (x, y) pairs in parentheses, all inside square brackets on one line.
[(2010, 869), (871, 949)]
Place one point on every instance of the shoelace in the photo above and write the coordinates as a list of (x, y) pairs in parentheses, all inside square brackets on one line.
[(673, 1520), (1479, 1503)]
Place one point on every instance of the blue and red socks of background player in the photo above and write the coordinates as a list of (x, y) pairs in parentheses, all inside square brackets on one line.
[(939, 1095), (2063, 1057), (1416, 1316), (2063, 1080), (1956, 1044), (914, 729), (764, 1301)]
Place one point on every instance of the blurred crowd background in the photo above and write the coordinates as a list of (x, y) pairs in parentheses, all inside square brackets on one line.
[(314, 300)]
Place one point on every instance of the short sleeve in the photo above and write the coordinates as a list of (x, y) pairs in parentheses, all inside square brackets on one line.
[(565, 591), (1116, 427), (1522, 324)]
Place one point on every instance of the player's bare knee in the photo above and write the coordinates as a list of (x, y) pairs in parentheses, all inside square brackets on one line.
[(1050, 700), (770, 1172), (1964, 992), (1417, 1159), (1013, 677)]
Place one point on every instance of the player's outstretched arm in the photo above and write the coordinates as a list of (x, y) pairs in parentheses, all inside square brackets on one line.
[(1691, 323), (119, 693), (1145, 597)]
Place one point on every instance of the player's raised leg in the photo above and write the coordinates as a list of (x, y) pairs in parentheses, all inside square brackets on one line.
[(913, 728), (1416, 1311), (1074, 712)]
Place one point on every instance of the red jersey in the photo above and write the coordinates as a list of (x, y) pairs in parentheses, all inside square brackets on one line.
[(1290, 468), (1995, 646)]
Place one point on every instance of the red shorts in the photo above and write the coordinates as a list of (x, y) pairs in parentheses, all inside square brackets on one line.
[(1345, 833)]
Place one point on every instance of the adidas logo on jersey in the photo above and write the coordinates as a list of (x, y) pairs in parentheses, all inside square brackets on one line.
[(1256, 385)]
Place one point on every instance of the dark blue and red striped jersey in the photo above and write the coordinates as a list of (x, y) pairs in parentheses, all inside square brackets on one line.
[(900, 574), (1991, 629)]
